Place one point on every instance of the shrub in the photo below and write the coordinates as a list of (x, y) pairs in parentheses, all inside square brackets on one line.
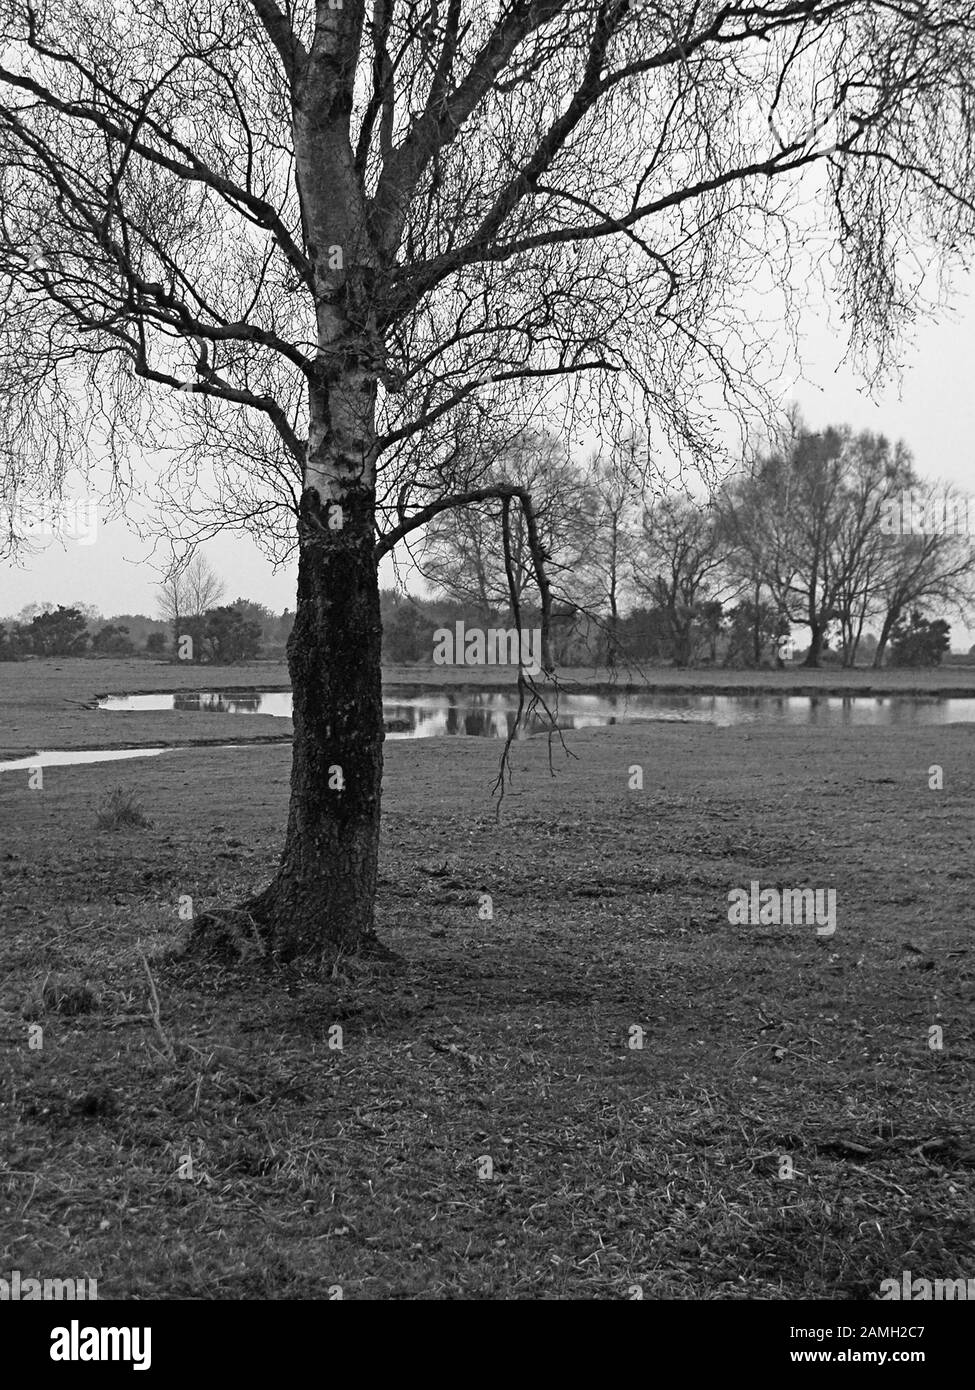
[(121, 811)]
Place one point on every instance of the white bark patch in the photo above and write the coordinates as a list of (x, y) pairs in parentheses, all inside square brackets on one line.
[(325, 477)]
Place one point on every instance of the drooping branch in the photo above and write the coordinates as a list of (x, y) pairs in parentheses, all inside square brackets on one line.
[(509, 568), (539, 556)]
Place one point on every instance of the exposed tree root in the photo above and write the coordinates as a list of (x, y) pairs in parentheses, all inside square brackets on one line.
[(237, 934)]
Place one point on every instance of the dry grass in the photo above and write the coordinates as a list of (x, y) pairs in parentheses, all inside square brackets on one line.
[(313, 1166), (120, 810)]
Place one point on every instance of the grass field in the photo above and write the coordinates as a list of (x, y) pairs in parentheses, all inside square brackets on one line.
[(765, 1049)]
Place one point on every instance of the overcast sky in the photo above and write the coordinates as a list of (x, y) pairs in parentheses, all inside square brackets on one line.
[(933, 410)]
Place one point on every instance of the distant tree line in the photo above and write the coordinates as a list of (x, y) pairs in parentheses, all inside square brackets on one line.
[(232, 634), (807, 536), (801, 539), (221, 635)]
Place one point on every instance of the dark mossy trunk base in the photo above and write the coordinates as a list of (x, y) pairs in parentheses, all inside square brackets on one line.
[(321, 902)]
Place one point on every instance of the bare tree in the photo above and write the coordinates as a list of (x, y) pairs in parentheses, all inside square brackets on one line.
[(461, 555), (616, 479), (874, 471), (203, 586), (172, 606), (807, 482), (31, 610), (190, 587), (805, 527), (679, 565), (800, 527), (347, 240), (751, 553), (935, 569), (757, 529), (808, 527)]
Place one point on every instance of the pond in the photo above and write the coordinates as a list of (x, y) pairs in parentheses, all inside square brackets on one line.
[(472, 712), (81, 755), (422, 712)]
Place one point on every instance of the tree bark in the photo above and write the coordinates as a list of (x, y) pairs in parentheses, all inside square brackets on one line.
[(815, 645), (323, 897), (614, 614), (888, 625), (857, 637), (614, 626), (757, 627)]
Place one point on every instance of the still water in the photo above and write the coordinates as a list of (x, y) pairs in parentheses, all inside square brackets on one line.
[(419, 712)]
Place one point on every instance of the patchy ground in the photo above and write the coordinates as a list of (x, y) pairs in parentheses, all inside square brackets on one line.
[(764, 1048)]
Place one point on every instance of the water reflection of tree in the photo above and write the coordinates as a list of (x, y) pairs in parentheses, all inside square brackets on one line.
[(212, 702)]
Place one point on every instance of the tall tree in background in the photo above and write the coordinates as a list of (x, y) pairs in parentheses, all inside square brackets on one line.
[(613, 489), (678, 564), (191, 586), (348, 239), (758, 534), (230, 635), (805, 525), (918, 641), (60, 632), (875, 471), (807, 483), (462, 557), (914, 570)]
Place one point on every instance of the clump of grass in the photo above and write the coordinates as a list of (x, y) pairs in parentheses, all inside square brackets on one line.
[(121, 811), (65, 994)]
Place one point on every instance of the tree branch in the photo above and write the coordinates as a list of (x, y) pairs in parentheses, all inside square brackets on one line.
[(278, 28)]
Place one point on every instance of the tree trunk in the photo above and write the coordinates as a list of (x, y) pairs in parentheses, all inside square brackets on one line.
[(323, 897), (678, 638), (815, 645), (614, 616), (757, 627), (858, 635), (846, 639), (614, 624), (889, 622)]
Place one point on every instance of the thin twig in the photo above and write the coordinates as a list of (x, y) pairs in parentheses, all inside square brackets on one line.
[(153, 1014)]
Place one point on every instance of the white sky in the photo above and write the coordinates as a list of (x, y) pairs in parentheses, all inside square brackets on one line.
[(933, 410)]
